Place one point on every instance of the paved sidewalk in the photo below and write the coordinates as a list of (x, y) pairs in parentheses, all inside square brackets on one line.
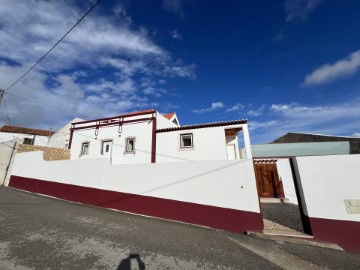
[(44, 233)]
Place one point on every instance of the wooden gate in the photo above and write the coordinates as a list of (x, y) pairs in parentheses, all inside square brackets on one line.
[(267, 179)]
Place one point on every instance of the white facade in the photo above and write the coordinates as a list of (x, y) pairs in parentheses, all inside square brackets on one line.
[(61, 138), (208, 141)]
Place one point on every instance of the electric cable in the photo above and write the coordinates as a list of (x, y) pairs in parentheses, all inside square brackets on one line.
[(57, 43)]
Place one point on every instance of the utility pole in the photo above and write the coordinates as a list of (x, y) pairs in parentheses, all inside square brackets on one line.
[(2, 92)]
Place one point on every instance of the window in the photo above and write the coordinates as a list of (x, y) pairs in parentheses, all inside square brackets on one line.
[(106, 147), (130, 145), (186, 140), (85, 148), (28, 141)]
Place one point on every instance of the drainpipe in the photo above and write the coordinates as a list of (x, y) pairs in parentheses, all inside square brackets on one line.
[(8, 166), (153, 141)]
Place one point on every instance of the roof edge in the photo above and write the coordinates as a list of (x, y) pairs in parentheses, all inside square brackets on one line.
[(206, 125)]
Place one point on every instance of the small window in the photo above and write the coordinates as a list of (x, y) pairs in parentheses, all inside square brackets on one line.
[(186, 140), (85, 148), (175, 121), (28, 141), (106, 147), (130, 145)]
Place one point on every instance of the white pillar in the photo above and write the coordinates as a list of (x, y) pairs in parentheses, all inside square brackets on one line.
[(246, 138)]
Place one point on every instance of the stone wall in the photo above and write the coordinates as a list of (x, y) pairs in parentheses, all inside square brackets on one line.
[(50, 153)]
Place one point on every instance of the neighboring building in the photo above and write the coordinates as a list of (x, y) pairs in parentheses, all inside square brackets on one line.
[(30, 136), (60, 138), (272, 150), (10, 138), (273, 168), (293, 137), (147, 136)]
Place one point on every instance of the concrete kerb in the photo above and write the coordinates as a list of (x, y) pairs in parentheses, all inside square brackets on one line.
[(295, 240)]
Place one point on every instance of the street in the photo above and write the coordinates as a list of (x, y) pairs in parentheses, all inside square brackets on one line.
[(39, 232)]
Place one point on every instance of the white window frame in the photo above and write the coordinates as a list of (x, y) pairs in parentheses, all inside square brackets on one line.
[(82, 148), (127, 150), (181, 142), (102, 145)]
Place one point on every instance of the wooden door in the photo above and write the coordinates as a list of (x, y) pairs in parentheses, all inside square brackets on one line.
[(267, 180)]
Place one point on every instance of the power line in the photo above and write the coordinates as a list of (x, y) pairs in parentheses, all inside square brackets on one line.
[(35, 101), (7, 113), (22, 76), (28, 118)]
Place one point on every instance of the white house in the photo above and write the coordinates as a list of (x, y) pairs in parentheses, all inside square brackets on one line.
[(25, 135), (60, 138), (149, 137)]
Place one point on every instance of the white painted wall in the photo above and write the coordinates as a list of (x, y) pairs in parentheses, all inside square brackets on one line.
[(61, 138), (325, 182), (285, 175), (39, 140), (209, 144), (227, 184), (141, 131), (7, 155)]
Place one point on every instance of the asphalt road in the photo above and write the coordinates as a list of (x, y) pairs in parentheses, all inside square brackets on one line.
[(44, 233)]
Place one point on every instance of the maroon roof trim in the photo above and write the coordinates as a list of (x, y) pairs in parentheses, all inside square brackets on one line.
[(24, 130), (116, 118), (207, 125)]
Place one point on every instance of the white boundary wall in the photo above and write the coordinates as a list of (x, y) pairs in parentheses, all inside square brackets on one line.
[(227, 184), (325, 182), (285, 175)]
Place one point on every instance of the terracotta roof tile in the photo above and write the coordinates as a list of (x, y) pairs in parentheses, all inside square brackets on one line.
[(207, 125), (168, 115), (24, 130)]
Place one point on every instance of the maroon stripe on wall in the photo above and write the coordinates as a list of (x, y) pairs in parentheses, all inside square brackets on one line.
[(345, 233), (215, 217)]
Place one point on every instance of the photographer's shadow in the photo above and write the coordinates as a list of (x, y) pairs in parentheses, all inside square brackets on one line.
[(125, 264)]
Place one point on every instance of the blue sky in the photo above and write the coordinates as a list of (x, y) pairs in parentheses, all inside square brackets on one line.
[(286, 66)]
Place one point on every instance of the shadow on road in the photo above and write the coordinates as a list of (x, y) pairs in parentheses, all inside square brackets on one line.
[(125, 264)]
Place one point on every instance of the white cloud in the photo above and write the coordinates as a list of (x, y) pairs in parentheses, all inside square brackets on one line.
[(175, 6), (299, 9), (154, 91), (335, 119), (257, 112), (356, 135), (71, 78), (175, 34), (331, 72), (236, 107), (214, 106)]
